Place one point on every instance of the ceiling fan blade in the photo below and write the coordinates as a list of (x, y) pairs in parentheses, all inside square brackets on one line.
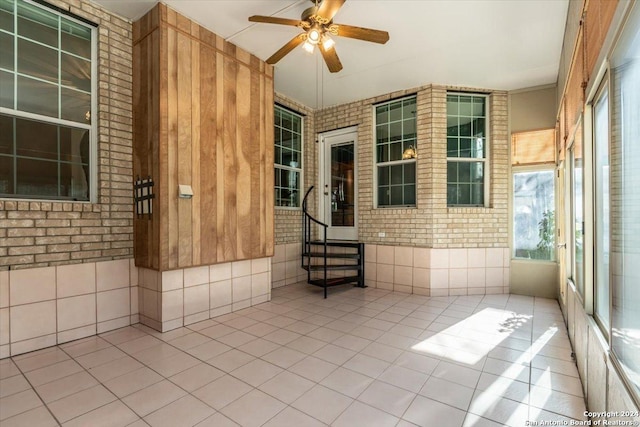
[(331, 58), (274, 20), (366, 34), (329, 8), (284, 50)]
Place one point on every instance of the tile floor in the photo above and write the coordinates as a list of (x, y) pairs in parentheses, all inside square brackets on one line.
[(362, 357)]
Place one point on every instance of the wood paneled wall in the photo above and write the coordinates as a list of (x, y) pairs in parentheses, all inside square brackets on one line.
[(203, 116)]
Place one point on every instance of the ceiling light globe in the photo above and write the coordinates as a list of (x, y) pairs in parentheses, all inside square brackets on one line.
[(314, 35)]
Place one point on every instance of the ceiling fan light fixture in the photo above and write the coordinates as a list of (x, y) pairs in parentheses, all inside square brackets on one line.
[(314, 35), (327, 42), (308, 46)]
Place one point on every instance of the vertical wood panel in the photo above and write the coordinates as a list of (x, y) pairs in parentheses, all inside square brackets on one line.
[(208, 159), (220, 172), (256, 150), (243, 155), (230, 160), (268, 173), (172, 145), (196, 213)]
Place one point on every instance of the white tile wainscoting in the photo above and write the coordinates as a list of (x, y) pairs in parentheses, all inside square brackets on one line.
[(41, 307), (413, 270)]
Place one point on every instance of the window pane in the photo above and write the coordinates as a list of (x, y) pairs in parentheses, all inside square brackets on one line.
[(384, 196), (6, 90), (37, 61), (6, 175), (75, 72), (601, 132), (534, 215), (6, 135), (36, 139), (466, 183), (6, 15), (6, 51), (37, 178), (37, 97), (383, 175), (625, 201), (75, 105), (577, 214), (37, 24), (76, 38)]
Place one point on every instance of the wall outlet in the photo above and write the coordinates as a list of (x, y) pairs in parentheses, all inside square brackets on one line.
[(382, 234)]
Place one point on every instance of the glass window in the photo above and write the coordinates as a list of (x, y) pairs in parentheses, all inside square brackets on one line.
[(396, 145), (577, 211), (602, 192), (534, 215), (467, 141), (47, 86), (287, 157), (625, 200)]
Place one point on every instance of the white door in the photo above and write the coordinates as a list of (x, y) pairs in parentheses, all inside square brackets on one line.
[(338, 183)]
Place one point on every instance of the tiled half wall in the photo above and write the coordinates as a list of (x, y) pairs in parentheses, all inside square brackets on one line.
[(41, 307), (171, 299), (424, 271)]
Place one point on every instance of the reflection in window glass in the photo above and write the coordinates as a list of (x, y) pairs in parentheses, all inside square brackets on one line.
[(625, 200), (287, 157), (534, 215), (577, 213), (602, 192)]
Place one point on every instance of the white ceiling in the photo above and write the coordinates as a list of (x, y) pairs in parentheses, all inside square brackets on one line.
[(493, 44)]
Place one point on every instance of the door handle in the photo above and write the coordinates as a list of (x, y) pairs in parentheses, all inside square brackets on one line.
[(562, 245)]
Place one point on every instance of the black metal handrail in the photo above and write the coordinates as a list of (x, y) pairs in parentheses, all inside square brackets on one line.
[(307, 219)]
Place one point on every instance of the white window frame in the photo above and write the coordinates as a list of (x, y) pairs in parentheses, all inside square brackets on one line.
[(300, 168), (487, 152), (377, 164), (92, 128)]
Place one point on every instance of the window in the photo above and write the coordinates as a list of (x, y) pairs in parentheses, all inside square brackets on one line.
[(467, 143), (534, 215), (577, 211), (625, 200), (602, 224), (287, 157), (47, 63), (396, 145)]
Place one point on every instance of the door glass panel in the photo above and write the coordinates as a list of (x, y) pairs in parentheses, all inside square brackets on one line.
[(342, 185)]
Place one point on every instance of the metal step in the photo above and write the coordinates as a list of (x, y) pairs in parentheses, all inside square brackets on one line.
[(331, 267), (337, 243), (331, 255), (334, 281)]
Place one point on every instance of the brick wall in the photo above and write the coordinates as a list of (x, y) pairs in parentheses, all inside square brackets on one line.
[(39, 234), (431, 223)]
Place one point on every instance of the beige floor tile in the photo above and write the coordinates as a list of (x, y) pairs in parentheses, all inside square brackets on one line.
[(387, 397), (8, 369), (426, 412), (80, 403), (230, 360), (222, 391), (253, 409), (347, 382), (282, 336), (306, 344), (499, 409), (188, 341), (100, 357), (367, 365), (39, 416), (13, 385), (85, 346), (455, 373), (447, 392), (564, 404), (473, 420), (53, 372), (360, 414), (286, 386), (174, 364), (334, 354), (186, 411), (322, 403), (313, 369), (154, 397), (196, 377), (160, 351), (208, 350), (122, 335), (40, 359), (382, 352), (259, 347), (18, 403), (132, 382), (217, 420), (113, 414), (256, 372), (115, 369), (139, 344), (290, 417), (66, 386), (236, 339), (284, 357)]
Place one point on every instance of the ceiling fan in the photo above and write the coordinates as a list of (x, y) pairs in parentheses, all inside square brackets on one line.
[(317, 24)]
